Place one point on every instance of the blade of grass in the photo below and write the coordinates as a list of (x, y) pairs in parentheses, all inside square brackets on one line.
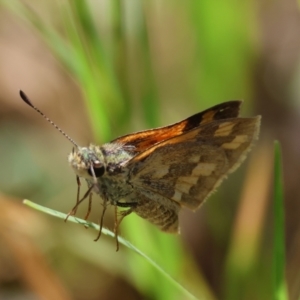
[(111, 234), (243, 260), (150, 102), (279, 284), (212, 23)]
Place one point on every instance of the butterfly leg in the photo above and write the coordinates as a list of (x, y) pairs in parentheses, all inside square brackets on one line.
[(72, 212), (89, 207), (123, 214), (78, 193), (101, 219)]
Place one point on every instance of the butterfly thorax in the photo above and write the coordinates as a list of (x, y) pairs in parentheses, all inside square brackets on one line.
[(102, 166)]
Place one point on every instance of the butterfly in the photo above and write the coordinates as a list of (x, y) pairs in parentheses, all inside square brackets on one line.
[(154, 173)]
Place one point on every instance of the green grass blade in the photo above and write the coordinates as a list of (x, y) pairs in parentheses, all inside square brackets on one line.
[(111, 234), (279, 283)]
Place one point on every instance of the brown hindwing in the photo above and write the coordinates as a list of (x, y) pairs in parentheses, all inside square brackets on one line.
[(189, 167)]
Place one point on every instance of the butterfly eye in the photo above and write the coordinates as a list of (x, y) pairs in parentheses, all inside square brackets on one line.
[(98, 167)]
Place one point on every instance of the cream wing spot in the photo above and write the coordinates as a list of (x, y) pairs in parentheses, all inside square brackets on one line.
[(203, 169), (177, 196), (184, 184), (183, 187), (236, 142), (161, 172), (194, 158), (224, 129), (188, 179)]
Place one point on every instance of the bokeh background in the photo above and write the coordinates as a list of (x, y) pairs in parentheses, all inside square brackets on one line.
[(104, 68)]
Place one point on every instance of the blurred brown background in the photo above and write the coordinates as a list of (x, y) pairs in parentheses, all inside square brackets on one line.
[(200, 54)]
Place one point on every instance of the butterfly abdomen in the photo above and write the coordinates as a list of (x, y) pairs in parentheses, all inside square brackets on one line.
[(165, 217)]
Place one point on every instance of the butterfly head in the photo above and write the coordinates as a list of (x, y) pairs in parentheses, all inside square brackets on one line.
[(87, 162)]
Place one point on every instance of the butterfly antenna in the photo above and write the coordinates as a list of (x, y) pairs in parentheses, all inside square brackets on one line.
[(27, 101)]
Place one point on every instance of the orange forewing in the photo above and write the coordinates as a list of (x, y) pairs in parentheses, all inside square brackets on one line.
[(144, 139)]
